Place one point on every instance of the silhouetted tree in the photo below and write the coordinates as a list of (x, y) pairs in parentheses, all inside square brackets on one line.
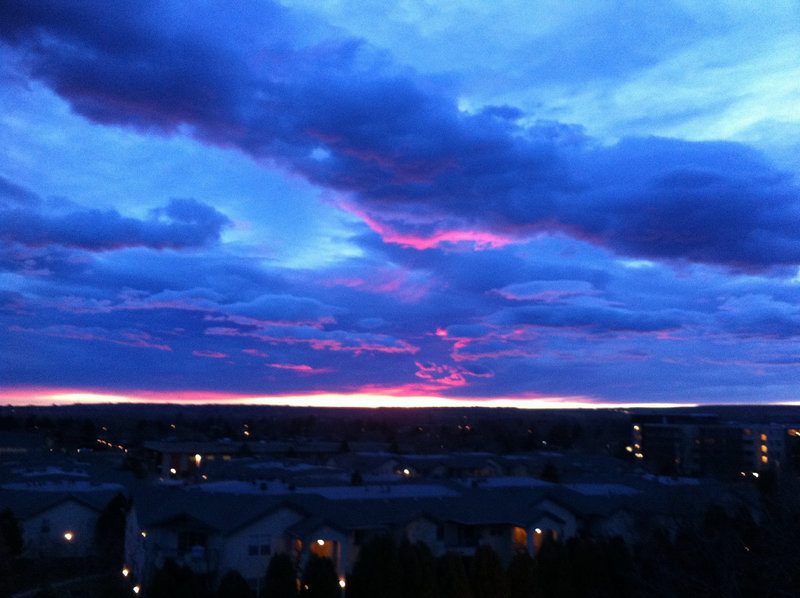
[(233, 585), (521, 576), (281, 578), (174, 581), (10, 535), (109, 531), (418, 568), (376, 572), (488, 574), (452, 575), (320, 579), (550, 473)]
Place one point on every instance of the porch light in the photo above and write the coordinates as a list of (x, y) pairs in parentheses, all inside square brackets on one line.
[(144, 534), (173, 471), (321, 542), (341, 583), (68, 536), (125, 572), (538, 530), (197, 458), (406, 472), (136, 589)]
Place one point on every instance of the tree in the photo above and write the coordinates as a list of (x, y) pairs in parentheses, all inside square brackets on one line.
[(10, 535), (488, 575), (452, 575), (549, 473), (174, 581), (377, 571), (320, 579), (281, 578), (418, 570), (233, 585), (109, 531), (521, 576)]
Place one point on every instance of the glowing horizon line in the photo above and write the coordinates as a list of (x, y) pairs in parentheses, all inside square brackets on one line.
[(364, 400)]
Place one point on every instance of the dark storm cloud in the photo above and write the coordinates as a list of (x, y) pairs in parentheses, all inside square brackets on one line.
[(417, 169), (182, 223), (594, 318)]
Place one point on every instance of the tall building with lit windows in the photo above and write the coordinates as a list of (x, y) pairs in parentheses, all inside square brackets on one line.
[(702, 445)]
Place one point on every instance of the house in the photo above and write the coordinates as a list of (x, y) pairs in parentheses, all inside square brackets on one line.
[(57, 523), (212, 532)]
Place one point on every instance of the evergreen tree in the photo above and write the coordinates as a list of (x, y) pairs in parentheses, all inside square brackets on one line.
[(174, 581), (452, 575), (10, 535), (109, 531), (488, 574), (418, 568), (233, 585), (281, 578), (320, 579), (521, 576), (377, 572)]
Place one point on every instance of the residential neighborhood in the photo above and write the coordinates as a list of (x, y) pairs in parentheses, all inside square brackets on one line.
[(154, 496)]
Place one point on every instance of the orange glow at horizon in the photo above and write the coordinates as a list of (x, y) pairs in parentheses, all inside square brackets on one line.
[(366, 400)]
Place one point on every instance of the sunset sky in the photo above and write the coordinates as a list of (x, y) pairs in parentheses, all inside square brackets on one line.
[(565, 202)]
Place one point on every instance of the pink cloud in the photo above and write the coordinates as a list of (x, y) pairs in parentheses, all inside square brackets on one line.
[(317, 324), (446, 376), (478, 239), (331, 341), (301, 368), (128, 338), (211, 354), (403, 284)]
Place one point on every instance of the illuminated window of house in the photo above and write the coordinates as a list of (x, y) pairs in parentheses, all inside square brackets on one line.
[(763, 438), (322, 548), (519, 537)]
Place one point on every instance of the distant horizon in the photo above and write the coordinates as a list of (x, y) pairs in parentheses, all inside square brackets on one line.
[(57, 398)]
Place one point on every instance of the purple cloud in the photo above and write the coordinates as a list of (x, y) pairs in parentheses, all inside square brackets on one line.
[(416, 168), (183, 223)]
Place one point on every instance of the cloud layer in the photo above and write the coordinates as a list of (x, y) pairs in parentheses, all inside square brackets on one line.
[(482, 249)]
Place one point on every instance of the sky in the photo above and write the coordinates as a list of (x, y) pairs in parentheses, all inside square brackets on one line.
[(326, 202)]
